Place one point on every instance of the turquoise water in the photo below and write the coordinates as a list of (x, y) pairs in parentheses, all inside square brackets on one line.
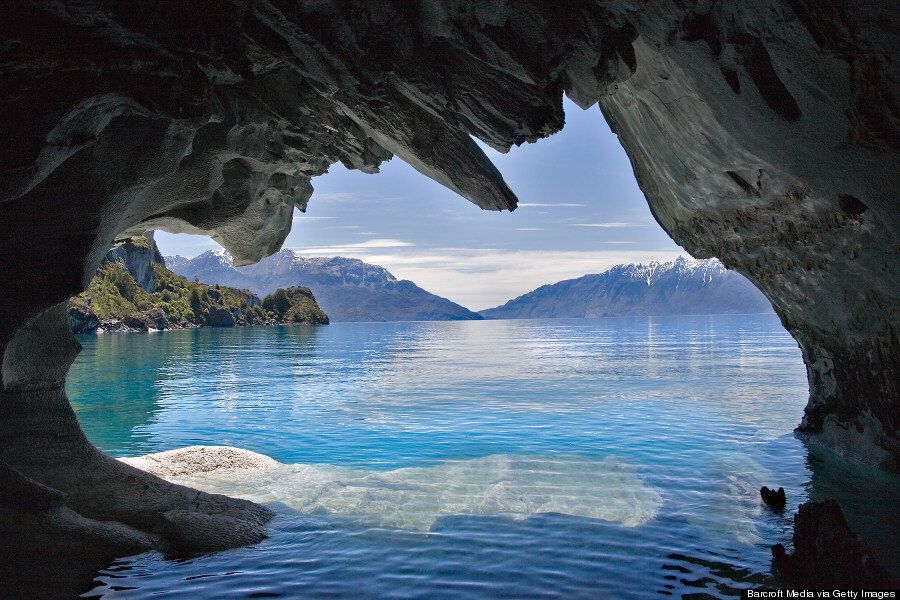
[(614, 458)]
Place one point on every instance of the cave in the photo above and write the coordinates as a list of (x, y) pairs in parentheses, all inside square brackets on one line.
[(762, 133)]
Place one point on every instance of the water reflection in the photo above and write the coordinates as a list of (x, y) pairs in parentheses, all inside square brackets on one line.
[(868, 497), (372, 418), (127, 388), (113, 397)]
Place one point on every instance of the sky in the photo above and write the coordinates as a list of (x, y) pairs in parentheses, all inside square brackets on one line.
[(580, 211)]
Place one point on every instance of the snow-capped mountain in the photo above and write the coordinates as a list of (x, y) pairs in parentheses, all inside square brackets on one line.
[(176, 260), (684, 286), (348, 289)]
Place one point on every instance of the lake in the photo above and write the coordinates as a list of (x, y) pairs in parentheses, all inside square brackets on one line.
[(614, 458)]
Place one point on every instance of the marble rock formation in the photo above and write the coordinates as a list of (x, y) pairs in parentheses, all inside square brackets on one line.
[(137, 257), (763, 132), (827, 554)]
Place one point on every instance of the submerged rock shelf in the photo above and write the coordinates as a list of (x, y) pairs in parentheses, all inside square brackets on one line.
[(514, 487)]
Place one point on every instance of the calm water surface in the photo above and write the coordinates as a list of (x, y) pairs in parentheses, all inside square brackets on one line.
[(615, 458)]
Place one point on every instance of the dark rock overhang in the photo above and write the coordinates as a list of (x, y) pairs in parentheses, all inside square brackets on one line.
[(762, 132)]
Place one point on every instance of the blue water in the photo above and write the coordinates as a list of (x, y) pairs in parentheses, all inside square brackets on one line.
[(614, 458)]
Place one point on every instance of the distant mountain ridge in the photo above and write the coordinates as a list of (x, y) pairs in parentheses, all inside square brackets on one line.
[(347, 289), (684, 286)]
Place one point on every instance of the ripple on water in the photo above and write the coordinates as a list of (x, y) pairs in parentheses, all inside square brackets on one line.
[(616, 458)]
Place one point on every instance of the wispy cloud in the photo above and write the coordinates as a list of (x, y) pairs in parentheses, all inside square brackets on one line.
[(529, 229), (610, 225), (349, 197), (356, 248), (550, 205), (333, 196), (298, 216)]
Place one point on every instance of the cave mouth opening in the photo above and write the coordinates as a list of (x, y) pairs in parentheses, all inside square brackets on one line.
[(178, 523), (602, 479), (348, 206), (580, 211), (202, 127)]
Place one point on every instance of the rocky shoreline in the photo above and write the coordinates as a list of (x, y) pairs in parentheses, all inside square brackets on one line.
[(83, 322)]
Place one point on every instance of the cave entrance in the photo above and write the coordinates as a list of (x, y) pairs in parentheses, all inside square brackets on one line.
[(123, 121), (566, 225), (375, 425)]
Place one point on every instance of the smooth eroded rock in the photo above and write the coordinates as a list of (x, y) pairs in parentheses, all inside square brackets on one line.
[(764, 133), (827, 553)]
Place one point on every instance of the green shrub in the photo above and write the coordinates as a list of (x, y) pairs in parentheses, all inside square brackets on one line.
[(294, 305), (114, 294)]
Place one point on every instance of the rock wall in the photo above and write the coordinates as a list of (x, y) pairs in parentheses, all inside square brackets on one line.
[(763, 132), (137, 256), (67, 508)]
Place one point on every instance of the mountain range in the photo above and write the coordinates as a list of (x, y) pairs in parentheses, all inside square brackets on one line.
[(684, 286), (347, 289)]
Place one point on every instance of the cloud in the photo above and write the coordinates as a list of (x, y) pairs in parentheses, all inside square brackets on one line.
[(610, 225), (355, 248), (550, 205), (382, 243), (529, 229), (305, 217), (333, 197)]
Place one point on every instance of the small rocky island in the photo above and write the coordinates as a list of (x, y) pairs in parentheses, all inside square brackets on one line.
[(134, 291)]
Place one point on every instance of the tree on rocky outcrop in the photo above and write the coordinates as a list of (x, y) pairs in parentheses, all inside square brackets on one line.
[(115, 301)]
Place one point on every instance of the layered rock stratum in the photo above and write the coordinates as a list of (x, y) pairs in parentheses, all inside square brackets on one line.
[(763, 132)]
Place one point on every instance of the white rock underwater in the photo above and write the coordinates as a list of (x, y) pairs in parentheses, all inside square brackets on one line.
[(510, 486)]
